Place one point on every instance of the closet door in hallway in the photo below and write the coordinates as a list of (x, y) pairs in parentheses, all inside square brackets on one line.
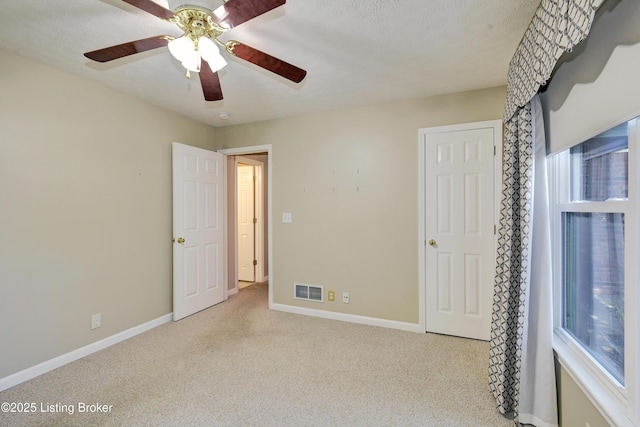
[(246, 223)]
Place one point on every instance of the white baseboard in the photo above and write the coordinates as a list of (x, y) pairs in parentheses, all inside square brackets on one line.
[(50, 365), (351, 318)]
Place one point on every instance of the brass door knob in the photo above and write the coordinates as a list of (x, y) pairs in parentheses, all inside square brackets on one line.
[(432, 243), (180, 240)]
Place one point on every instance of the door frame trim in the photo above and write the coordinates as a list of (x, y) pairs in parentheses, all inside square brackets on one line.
[(256, 149), (422, 213)]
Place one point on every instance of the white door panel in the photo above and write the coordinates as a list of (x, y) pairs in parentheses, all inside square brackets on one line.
[(246, 225), (198, 229), (459, 218)]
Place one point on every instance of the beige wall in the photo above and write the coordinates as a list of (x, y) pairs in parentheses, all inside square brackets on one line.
[(350, 178), (85, 210), (575, 408)]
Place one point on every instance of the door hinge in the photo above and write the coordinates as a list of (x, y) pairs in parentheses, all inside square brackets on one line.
[(255, 220), (255, 262), (254, 178), (494, 150), (494, 229)]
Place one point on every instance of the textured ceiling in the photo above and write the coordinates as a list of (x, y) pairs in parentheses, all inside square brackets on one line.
[(356, 52)]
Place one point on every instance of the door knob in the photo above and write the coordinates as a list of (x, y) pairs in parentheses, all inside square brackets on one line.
[(432, 243), (180, 240)]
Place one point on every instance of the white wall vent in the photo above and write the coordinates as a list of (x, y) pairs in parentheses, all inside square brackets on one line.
[(308, 292)]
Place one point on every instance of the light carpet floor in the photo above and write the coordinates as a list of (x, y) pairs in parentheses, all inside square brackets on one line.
[(240, 364)]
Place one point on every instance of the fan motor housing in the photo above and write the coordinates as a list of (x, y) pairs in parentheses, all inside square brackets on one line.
[(196, 22)]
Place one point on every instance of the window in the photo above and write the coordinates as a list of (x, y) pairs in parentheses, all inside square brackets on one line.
[(595, 259), (593, 286)]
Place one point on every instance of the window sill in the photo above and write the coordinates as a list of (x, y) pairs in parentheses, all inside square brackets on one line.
[(612, 407)]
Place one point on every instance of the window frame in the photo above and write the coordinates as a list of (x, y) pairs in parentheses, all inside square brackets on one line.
[(618, 404)]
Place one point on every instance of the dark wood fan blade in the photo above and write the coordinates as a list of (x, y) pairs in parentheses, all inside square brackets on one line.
[(235, 12), (267, 61), (151, 7), (126, 49), (210, 83)]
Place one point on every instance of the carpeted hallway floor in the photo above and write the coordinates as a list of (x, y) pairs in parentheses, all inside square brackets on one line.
[(240, 364)]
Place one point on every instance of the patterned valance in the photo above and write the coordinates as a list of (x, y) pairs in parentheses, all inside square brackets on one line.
[(557, 27)]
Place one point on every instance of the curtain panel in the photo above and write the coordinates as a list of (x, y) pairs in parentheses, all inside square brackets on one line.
[(512, 264), (520, 322)]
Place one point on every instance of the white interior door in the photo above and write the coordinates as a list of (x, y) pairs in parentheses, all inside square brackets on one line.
[(246, 223), (459, 229), (198, 229)]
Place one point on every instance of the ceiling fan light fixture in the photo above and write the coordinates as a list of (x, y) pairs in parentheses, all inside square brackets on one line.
[(201, 30)]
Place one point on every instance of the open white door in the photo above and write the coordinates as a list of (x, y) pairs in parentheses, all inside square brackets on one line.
[(246, 223), (198, 229), (459, 227)]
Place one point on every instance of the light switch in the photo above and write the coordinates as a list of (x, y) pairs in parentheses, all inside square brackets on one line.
[(287, 217)]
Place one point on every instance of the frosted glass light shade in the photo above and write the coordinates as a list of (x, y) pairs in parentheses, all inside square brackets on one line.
[(182, 48), (192, 63), (210, 53)]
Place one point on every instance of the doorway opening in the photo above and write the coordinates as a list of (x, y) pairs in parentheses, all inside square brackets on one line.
[(249, 259), (250, 214)]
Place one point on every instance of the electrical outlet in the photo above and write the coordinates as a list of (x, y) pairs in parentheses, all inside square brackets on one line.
[(332, 296), (96, 320), (345, 297)]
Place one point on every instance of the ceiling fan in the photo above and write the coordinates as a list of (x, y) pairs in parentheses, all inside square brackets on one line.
[(196, 49)]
